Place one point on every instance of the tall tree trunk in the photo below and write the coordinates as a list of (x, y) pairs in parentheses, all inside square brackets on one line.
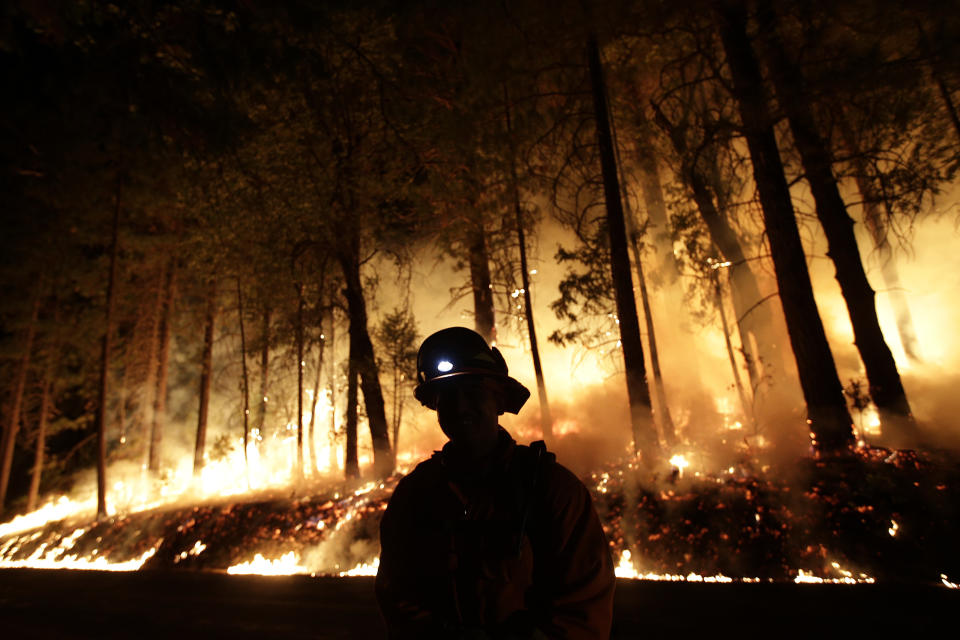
[(397, 411), (873, 219), (483, 314), (638, 394), (105, 361), (13, 426), (666, 420), (652, 191), (546, 420), (656, 217), (300, 365), (827, 415), (745, 404), (148, 402), (351, 462), (163, 366), (753, 316), (264, 371), (244, 381), (875, 224), (362, 356), (46, 393), (124, 396), (332, 385), (886, 388), (313, 408), (206, 369)]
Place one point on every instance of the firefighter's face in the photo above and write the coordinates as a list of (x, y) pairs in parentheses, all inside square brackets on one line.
[(467, 409)]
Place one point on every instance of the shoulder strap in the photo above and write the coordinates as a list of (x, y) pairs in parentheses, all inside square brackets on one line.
[(534, 466)]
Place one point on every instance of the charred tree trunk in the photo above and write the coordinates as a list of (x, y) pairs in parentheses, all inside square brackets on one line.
[(397, 411), (546, 420), (886, 388), (206, 368), (653, 198), (483, 314), (873, 219), (244, 381), (123, 397), (827, 414), (46, 393), (641, 413), (13, 426), (300, 364), (163, 365), (652, 191), (362, 356), (351, 462), (105, 363), (150, 384), (313, 408), (332, 385), (666, 419), (264, 371), (745, 403)]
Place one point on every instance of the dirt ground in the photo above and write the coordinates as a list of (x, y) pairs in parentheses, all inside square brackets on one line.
[(170, 604)]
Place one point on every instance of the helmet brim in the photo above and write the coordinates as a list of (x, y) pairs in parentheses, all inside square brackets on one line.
[(514, 397)]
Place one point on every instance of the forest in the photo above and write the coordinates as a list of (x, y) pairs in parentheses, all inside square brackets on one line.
[(708, 235)]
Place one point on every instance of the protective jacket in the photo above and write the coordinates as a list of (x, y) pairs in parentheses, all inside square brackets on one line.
[(513, 549)]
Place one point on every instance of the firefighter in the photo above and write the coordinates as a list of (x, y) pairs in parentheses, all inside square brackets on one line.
[(488, 538)]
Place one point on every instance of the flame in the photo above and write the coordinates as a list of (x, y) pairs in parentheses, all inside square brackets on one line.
[(57, 509), (286, 565), (625, 568), (565, 427), (680, 463), (57, 557), (847, 577), (363, 569)]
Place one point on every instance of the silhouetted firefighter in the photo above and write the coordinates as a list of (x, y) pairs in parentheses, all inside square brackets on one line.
[(488, 538)]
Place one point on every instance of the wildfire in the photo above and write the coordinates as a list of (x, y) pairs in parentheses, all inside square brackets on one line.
[(625, 568), (698, 530), (56, 557), (286, 565), (363, 569), (680, 463), (848, 578)]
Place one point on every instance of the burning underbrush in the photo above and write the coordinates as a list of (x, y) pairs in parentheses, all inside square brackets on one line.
[(877, 516), (880, 516)]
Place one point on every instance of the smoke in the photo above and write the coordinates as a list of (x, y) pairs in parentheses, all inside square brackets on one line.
[(586, 388)]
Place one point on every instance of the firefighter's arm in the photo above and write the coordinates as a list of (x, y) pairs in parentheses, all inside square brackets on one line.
[(401, 598), (579, 569)]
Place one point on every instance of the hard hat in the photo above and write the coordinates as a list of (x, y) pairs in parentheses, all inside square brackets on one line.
[(456, 352)]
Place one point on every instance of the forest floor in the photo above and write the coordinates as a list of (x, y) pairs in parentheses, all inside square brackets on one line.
[(164, 604)]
